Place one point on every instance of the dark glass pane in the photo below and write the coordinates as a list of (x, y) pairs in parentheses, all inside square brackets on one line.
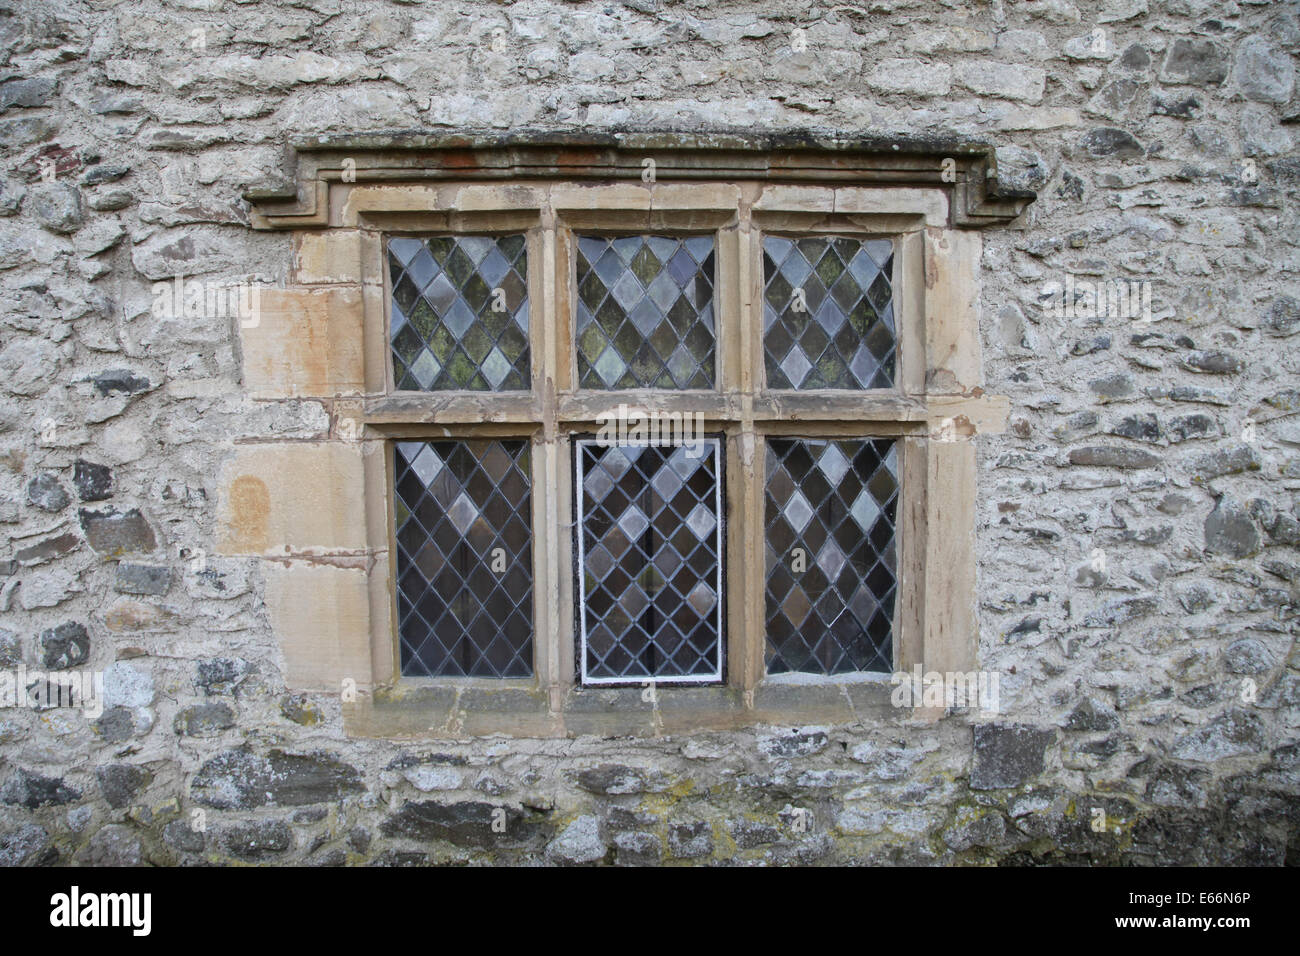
[(464, 558), (828, 316), (645, 312), (651, 547), (459, 313), (830, 605)]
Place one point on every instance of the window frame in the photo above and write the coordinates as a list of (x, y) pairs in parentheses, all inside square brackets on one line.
[(938, 379), (821, 413), (581, 678)]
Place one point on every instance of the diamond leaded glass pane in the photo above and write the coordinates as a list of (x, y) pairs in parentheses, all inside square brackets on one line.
[(650, 547), (831, 555), (828, 312), (459, 313), (464, 558), (645, 312)]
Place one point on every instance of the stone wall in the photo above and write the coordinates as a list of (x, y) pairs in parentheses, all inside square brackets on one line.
[(1137, 526)]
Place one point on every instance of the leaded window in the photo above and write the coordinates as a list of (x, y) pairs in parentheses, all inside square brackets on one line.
[(461, 301), (828, 312), (742, 530), (649, 515), (832, 565), (463, 530), (459, 315), (650, 545), (645, 312)]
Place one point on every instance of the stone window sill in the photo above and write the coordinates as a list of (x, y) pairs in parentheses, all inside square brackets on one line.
[(429, 709)]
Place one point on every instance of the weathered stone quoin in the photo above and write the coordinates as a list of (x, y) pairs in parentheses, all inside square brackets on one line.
[(1098, 418)]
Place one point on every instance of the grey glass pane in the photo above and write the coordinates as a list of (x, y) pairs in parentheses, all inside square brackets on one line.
[(830, 603), (464, 608), (651, 546), (828, 313), (645, 312), (459, 313)]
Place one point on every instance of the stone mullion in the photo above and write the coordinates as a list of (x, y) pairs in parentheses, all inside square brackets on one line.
[(548, 449), (746, 531)]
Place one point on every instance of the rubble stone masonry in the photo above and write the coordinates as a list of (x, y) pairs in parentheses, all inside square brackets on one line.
[(1136, 522)]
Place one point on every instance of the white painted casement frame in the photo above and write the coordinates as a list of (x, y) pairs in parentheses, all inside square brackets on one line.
[(719, 536), (934, 413)]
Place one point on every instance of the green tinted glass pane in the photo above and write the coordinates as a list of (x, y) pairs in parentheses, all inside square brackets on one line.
[(648, 295), (459, 313), (828, 315)]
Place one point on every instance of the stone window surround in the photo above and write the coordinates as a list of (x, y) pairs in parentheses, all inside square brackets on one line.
[(327, 337)]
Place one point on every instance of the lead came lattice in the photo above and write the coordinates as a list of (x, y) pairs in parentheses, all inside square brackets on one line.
[(459, 313), (836, 502), (455, 504), (650, 563), (645, 312), (828, 312)]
